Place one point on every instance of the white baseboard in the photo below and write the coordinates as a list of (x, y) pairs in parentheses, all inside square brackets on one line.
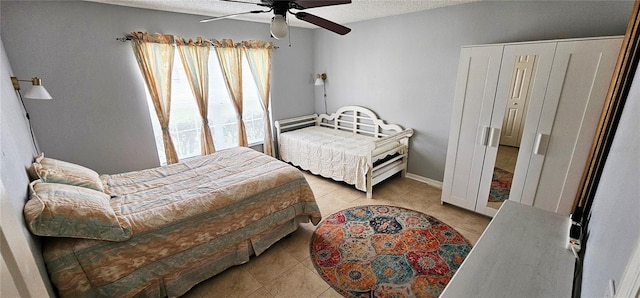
[(434, 183)]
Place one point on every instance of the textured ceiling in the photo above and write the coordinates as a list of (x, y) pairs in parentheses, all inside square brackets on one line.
[(358, 10)]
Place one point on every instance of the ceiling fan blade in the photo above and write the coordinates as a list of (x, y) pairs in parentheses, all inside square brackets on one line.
[(239, 1), (304, 4), (261, 3), (232, 15), (324, 23)]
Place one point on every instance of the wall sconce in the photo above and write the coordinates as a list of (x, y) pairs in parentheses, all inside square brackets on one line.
[(320, 80), (37, 91)]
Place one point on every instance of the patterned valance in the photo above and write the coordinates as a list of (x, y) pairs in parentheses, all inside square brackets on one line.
[(153, 38), (199, 41)]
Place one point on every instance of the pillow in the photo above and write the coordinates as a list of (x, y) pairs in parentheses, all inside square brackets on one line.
[(32, 170), (56, 171), (61, 210)]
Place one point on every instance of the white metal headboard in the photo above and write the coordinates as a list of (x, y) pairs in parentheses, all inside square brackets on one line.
[(358, 120)]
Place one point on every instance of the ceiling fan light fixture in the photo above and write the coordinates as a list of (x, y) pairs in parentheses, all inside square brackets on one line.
[(279, 27)]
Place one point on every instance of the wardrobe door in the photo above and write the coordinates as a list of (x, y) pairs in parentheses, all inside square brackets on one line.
[(522, 84), (476, 83), (578, 86)]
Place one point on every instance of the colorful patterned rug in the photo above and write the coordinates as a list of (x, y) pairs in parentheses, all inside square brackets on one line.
[(386, 251), (500, 185)]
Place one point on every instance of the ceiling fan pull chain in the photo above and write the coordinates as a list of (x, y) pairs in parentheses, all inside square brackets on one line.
[(289, 32)]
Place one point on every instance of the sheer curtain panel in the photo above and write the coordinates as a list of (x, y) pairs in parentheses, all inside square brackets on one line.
[(230, 58), (195, 58), (154, 54), (258, 55)]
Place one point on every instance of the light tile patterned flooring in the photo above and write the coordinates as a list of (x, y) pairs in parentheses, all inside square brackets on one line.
[(506, 158), (285, 269)]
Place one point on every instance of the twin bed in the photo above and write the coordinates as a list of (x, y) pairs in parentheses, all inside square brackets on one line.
[(158, 232), (350, 145)]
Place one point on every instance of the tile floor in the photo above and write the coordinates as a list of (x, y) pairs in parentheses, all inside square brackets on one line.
[(506, 158), (285, 269)]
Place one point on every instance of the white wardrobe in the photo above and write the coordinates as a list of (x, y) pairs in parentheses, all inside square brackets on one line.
[(525, 112)]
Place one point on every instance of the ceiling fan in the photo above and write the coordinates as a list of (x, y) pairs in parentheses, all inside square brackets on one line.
[(279, 27)]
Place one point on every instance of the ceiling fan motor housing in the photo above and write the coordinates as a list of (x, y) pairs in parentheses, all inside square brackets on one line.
[(279, 7)]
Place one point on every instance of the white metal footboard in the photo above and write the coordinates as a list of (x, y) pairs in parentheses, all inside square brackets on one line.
[(362, 121), (386, 169), (295, 123)]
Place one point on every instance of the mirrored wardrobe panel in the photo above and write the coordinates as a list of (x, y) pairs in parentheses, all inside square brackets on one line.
[(517, 106), (511, 134)]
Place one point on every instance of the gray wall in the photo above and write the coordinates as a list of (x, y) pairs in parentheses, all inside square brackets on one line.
[(21, 257), (614, 227), (404, 67), (98, 116)]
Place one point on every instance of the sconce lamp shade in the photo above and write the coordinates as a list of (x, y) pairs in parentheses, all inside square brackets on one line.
[(320, 78), (37, 91), (279, 27)]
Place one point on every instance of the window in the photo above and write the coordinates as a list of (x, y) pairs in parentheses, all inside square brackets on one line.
[(185, 122)]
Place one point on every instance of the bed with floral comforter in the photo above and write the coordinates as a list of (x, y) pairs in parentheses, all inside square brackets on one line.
[(176, 225)]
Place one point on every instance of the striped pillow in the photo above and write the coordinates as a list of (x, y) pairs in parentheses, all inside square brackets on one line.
[(56, 171)]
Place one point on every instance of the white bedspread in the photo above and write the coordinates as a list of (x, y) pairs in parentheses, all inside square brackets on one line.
[(331, 153)]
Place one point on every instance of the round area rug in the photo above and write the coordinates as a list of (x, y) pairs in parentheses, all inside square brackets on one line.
[(386, 251), (500, 185)]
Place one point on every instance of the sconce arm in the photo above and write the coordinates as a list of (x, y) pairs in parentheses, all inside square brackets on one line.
[(35, 81)]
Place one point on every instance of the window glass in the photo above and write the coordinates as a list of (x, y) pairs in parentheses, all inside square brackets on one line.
[(252, 112), (185, 120)]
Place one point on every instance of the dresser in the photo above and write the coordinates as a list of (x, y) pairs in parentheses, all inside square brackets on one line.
[(522, 253)]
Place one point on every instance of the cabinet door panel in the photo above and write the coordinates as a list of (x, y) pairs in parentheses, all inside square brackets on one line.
[(512, 72), (473, 102), (577, 89)]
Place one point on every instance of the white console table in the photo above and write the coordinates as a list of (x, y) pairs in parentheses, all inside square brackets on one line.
[(522, 253)]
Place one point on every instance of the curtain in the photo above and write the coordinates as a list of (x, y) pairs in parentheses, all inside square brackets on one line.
[(154, 54), (230, 58), (195, 58), (258, 55)]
